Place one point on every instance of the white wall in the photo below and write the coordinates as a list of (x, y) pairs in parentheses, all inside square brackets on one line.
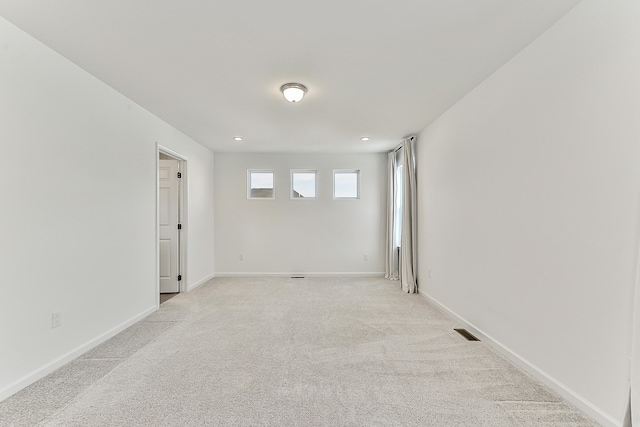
[(285, 236), (78, 188), (529, 192)]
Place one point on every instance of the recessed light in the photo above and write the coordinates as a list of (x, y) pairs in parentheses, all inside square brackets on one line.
[(364, 138), (238, 139)]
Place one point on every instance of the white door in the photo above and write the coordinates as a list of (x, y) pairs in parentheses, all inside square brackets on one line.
[(168, 212)]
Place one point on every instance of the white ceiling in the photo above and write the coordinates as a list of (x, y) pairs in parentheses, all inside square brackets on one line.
[(213, 68)]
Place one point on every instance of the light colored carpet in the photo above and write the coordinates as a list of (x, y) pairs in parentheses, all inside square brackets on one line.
[(166, 297), (291, 352)]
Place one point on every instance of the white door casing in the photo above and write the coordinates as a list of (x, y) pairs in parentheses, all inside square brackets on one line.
[(168, 224)]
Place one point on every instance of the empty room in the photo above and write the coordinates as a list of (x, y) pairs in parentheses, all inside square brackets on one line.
[(412, 213)]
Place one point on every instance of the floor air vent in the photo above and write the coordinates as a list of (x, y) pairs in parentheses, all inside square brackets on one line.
[(466, 334)]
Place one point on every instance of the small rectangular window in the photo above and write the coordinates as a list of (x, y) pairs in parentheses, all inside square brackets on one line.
[(303, 184), (346, 184), (260, 184)]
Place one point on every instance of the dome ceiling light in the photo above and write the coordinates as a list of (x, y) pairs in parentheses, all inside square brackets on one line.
[(293, 92)]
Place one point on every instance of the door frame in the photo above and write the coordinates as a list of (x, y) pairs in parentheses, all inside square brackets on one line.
[(182, 214), (633, 406)]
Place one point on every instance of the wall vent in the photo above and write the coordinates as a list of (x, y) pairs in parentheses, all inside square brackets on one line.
[(297, 277), (466, 334)]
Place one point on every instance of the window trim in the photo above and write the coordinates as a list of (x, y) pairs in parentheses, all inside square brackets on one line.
[(251, 171), (345, 171), (315, 183)]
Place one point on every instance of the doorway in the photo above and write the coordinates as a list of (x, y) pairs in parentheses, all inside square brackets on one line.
[(171, 224)]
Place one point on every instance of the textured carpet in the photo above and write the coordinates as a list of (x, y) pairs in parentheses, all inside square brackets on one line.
[(166, 297), (291, 352)]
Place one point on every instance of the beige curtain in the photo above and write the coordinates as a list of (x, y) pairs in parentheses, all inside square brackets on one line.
[(408, 252), (391, 266)]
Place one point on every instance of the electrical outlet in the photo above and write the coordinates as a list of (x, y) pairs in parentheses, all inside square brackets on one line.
[(241, 257), (56, 319), (366, 257)]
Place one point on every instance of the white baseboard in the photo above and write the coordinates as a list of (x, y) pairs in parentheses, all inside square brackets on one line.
[(200, 282), (305, 274), (68, 357), (575, 399)]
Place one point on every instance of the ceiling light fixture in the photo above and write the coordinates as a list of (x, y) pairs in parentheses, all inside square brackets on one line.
[(293, 92), (238, 138), (364, 138)]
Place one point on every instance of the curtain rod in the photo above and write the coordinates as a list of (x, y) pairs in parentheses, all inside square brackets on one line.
[(411, 138)]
